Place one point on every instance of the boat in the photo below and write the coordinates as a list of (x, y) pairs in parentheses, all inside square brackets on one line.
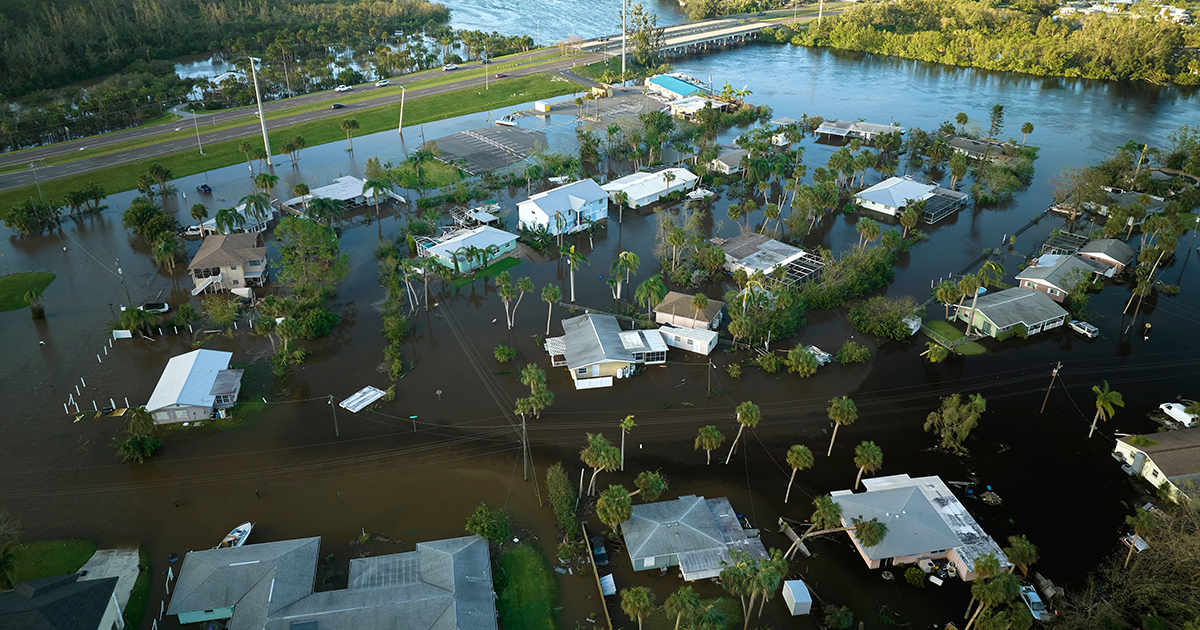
[(700, 193), (823, 358), (237, 537)]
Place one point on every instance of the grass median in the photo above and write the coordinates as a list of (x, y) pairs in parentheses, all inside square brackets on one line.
[(505, 93)]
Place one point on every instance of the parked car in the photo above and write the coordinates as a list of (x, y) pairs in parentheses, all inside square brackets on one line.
[(204, 189), (1036, 606), (599, 551), (195, 230), (155, 307), (501, 75), (342, 88), (448, 67), (337, 106), (382, 83), (1178, 412), (1084, 328)]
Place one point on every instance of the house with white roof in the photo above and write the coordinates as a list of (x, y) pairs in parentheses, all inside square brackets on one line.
[(755, 252), (249, 223), (847, 129), (698, 340), (674, 86), (691, 532), (647, 187), (924, 520), (347, 189), (193, 386), (566, 209), (595, 350), (464, 250), (892, 195)]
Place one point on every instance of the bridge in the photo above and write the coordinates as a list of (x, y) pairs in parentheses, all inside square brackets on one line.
[(690, 38)]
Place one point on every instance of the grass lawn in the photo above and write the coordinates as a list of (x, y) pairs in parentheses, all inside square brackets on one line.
[(526, 590), (508, 262), (970, 349), (660, 620), (136, 606), (437, 174), (47, 558), (945, 329), (14, 286), (506, 93)]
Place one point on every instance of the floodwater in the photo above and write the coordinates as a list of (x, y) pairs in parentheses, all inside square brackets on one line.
[(415, 469)]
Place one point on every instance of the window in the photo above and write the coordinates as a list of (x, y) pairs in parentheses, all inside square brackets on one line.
[(181, 413), (1054, 291), (690, 342), (233, 267), (236, 282), (1154, 474), (582, 371), (255, 263), (1027, 284)]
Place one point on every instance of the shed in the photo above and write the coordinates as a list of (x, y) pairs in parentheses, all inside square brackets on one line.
[(361, 399), (193, 385), (698, 340), (797, 597), (1109, 251)]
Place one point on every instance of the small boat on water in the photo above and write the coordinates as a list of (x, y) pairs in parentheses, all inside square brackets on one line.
[(237, 537), (700, 193)]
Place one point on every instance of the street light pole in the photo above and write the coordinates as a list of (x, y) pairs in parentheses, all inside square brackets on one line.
[(121, 273), (400, 128), (33, 165), (624, 36), (261, 119), (197, 126)]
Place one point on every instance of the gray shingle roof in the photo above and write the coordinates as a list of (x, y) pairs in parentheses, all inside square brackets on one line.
[(700, 531), (1110, 248), (913, 525), (1176, 452), (733, 158), (1017, 305), (680, 304), (1059, 274), (226, 250), (62, 602)]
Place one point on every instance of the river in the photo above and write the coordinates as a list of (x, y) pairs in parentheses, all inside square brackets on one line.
[(289, 472)]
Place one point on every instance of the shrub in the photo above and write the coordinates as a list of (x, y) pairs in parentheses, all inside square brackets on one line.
[(915, 576), (770, 362), (801, 361), (504, 354), (562, 498), (857, 272), (852, 352), (734, 370), (883, 317)]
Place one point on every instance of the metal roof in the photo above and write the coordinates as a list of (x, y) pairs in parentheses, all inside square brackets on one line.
[(759, 252), (595, 338), (733, 158), (361, 399), (343, 189), (847, 127), (675, 85), (1016, 306), (897, 192), (700, 531), (227, 250), (188, 379), (639, 186), (567, 197), (481, 237)]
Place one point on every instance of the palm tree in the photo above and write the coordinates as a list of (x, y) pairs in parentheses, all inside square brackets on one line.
[(869, 458), (532, 377), (599, 455), (257, 206), (550, 295), (799, 457), (1021, 553), (325, 210), (700, 302), (985, 567), (748, 415), (378, 186), (650, 292), (709, 438), (827, 519), (1026, 129), (229, 219), (650, 484), (199, 213), (946, 292), (637, 602), (989, 275), (683, 603), (1105, 399), (843, 413), (349, 125), (627, 425), (245, 147), (574, 259), (301, 190), (523, 284), (770, 574), (164, 252), (868, 231), (621, 198), (614, 507), (8, 567), (628, 263), (266, 182), (139, 422), (1143, 522), (992, 594), (911, 215), (961, 119)]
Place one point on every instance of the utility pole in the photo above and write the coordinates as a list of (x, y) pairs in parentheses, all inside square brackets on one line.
[(336, 432), (121, 273), (820, 12), (624, 36), (708, 394), (525, 447), (1053, 375), (197, 126), (262, 120), (403, 93), (34, 166)]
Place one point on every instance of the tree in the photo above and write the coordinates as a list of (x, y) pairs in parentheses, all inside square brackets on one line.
[(651, 485), (8, 567), (869, 458), (257, 205), (955, 420), (637, 602), (507, 293), (651, 291), (683, 603), (802, 362), (245, 147), (946, 292), (324, 210), (37, 306), (1021, 553), (574, 259), (644, 35), (199, 213), (840, 618), (524, 285), (266, 182), (349, 125), (988, 275), (936, 352), (309, 254), (748, 415), (993, 594), (1026, 129), (708, 439), (627, 263), (868, 231), (627, 425), (136, 448), (301, 190), (961, 119), (599, 455), (614, 507), (489, 524), (958, 168), (504, 354), (1105, 400), (1143, 522), (378, 187), (550, 295), (843, 413), (799, 457), (562, 497), (228, 220)]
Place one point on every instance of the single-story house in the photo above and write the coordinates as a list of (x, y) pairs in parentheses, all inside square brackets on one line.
[(595, 350), (564, 209), (1170, 459), (691, 532), (997, 313), (347, 189), (250, 223), (689, 108), (729, 163), (759, 252), (847, 129), (193, 385), (676, 309), (893, 194), (698, 340), (464, 250), (226, 262), (924, 520), (62, 602), (647, 187), (1056, 275), (1119, 197), (444, 584), (975, 149), (674, 86), (1110, 251)]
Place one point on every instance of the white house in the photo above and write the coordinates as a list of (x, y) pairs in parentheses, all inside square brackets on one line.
[(676, 309), (648, 187), (1168, 460), (347, 189), (564, 209), (846, 129), (698, 340), (193, 385), (893, 194), (250, 223), (595, 350), (758, 252), (728, 163), (464, 250)]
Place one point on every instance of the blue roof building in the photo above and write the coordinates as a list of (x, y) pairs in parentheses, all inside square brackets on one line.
[(672, 87)]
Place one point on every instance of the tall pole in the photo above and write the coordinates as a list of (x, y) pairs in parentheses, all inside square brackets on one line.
[(33, 165), (121, 272), (624, 36), (262, 120), (820, 12), (1053, 375), (708, 394), (400, 128), (336, 432), (197, 126), (525, 447)]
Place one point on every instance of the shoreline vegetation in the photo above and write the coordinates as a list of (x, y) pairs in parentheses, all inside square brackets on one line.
[(1028, 40)]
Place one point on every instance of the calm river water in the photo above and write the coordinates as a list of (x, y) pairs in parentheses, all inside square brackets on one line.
[(415, 469)]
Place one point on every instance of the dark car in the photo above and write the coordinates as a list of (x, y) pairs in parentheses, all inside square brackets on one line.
[(599, 552), (501, 75), (204, 189), (337, 106)]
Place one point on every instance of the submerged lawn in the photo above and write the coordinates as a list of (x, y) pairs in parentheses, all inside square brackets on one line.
[(14, 286), (526, 590)]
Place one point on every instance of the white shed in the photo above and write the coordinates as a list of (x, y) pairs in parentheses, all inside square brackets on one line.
[(797, 597), (698, 340)]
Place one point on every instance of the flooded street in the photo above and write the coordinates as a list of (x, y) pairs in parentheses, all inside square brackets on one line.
[(415, 469)]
